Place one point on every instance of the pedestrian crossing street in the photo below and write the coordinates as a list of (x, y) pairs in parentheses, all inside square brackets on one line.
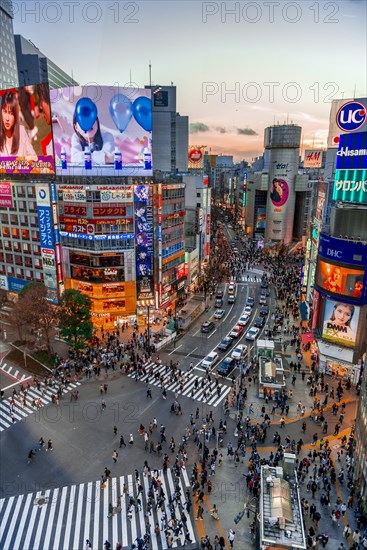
[(199, 394), (64, 518), (9, 417), (244, 279)]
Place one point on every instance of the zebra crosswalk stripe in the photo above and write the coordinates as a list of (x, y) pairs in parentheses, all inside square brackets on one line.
[(212, 398), (66, 517)]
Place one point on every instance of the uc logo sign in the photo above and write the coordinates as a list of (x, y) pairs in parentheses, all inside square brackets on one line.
[(351, 116), (42, 193)]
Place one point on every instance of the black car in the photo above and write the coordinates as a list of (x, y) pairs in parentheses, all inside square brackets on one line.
[(207, 326), (225, 343), (219, 293), (260, 321), (226, 366), (264, 283), (264, 310)]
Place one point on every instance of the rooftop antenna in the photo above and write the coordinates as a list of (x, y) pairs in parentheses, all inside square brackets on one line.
[(287, 117), (342, 95), (355, 91), (150, 73), (130, 79)]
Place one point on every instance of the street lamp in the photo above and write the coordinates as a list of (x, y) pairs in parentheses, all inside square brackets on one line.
[(148, 334)]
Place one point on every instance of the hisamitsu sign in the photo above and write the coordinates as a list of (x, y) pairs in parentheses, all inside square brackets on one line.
[(352, 152)]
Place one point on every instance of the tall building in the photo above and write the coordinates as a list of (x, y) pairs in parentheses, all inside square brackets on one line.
[(171, 132), (35, 67), (284, 143), (8, 60)]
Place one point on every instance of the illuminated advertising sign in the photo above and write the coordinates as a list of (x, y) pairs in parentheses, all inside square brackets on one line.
[(244, 196), (352, 152), (261, 218), (117, 195), (313, 158), (102, 211), (26, 145), (74, 195), (6, 195), (321, 199), (343, 251), (346, 116), (196, 157), (102, 131), (340, 280), (75, 210), (340, 322), (144, 242), (350, 186)]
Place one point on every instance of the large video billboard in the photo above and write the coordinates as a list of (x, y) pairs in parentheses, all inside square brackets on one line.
[(340, 322), (340, 280), (144, 243), (102, 131), (26, 145)]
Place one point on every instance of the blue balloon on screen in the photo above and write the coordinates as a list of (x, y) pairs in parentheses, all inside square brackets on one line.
[(86, 113), (121, 111), (142, 109)]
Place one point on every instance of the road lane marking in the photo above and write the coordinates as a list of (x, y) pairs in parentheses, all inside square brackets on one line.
[(173, 351), (192, 351)]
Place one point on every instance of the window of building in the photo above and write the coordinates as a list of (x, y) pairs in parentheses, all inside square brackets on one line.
[(28, 274), (13, 219), (25, 234), (28, 261), (18, 259), (4, 218), (10, 270), (38, 276), (36, 249), (7, 245), (31, 191), (15, 232), (34, 235)]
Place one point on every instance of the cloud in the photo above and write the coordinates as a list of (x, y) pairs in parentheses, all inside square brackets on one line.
[(221, 130), (246, 132), (196, 127)]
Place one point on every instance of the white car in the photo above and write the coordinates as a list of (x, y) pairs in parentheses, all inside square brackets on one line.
[(253, 333), (231, 288), (247, 310), (239, 352), (243, 320), (219, 314), (210, 360)]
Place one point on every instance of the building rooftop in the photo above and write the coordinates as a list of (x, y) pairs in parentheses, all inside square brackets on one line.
[(271, 372), (281, 517)]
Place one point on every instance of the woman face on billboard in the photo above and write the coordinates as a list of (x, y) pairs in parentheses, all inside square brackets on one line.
[(87, 136), (9, 142), (342, 314)]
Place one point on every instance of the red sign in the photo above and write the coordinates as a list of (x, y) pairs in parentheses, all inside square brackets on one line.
[(207, 249), (75, 210), (307, 337), (181, 271), (59, 273), (208, 224), (101, 211), (175, 215), (195, 155), (205, 180)]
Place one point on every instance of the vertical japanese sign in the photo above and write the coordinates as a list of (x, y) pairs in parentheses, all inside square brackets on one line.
[(143, 210), (46, 237)]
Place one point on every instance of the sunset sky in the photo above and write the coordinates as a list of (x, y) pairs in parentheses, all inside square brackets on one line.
[(277, 69)]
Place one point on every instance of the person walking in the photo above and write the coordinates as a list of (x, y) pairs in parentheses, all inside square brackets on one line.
[(115, 456), (49, 445), (149, 393), (131, 440), (231, 537), (115, 430), (200, 513), (122, 441)]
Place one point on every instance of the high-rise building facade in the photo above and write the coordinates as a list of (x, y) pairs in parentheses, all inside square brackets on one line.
[(35, 67), (8, 60), (171, 132)]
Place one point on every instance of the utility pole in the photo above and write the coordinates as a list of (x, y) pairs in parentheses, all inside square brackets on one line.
[(148, 334)]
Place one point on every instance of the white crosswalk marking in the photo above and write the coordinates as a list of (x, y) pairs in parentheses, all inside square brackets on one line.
[(207, 395), (19, 412), (67, 517)]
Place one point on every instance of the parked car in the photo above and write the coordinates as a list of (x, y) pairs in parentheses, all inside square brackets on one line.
[(239, 352), (264, 310), (247, 310), (243, 320), (219, 314), (225, 343), (210, 360), (259, 322), (250, 301), (226, 366), (262, 300), (207, 326), (253, 333), (236, 331), (218, 302)]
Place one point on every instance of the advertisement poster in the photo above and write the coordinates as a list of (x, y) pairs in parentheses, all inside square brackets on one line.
[(321, 199), (340, 322), (6, 195), (102, 130), (279, 192), (352, 152), (144, 242), (26, 145), (341, 280)]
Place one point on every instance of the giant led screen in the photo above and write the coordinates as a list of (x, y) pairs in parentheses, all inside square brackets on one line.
[(340, 322), (26, 145), (102, 131), (340, 280)]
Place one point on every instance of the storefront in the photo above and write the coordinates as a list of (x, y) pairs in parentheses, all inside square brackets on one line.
[(338, 362)]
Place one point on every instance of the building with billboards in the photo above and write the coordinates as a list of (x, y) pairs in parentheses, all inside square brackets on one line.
[(169, 244)]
